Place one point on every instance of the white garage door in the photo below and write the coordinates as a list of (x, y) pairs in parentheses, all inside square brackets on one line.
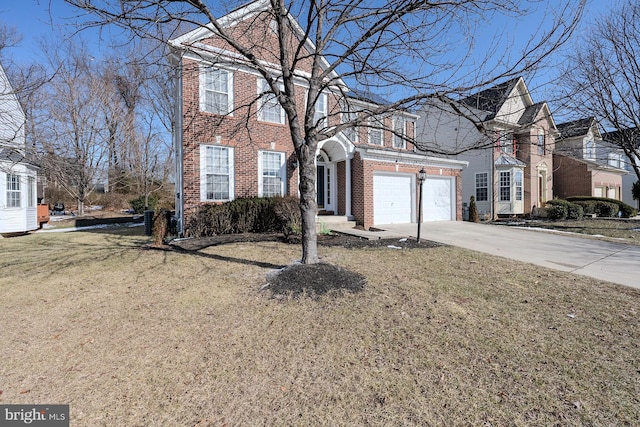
[(438, 197), (392, 199)]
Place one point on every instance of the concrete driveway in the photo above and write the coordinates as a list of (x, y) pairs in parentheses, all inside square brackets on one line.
[(618, 263)]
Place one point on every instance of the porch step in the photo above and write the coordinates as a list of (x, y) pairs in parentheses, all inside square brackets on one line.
[(334, 222)]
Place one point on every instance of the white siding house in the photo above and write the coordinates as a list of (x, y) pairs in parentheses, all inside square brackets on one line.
[(18, 175)]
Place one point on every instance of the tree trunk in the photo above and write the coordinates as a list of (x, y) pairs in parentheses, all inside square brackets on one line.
[(308, 206)]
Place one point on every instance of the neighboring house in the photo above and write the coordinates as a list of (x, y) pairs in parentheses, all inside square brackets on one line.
[(18, 175), (630, 178), (584, 164), (508, 141), (232, 137)]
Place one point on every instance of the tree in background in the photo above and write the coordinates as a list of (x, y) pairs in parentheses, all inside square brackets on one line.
[(413, 52), (602, 79)]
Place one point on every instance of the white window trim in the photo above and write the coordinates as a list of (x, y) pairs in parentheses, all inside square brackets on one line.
[(203, 105), (372, 129), (262, 88), (589, 154), (31, 192), (8, 191), (346, 117), (518, 185), (321, 122), (614, 160), (542, 149), (282, 172), (510, 186), (475, 177), (203, 173), (403, 137)]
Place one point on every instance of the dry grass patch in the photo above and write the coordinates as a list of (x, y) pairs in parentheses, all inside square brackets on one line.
[(440, 336), (625, 230)]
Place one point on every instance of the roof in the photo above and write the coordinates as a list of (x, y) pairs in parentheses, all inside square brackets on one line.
[(14, 155), (530, 113), (594, 164), (623, 135), (367, 97), (576, 127), (491, 99), (507, 160)]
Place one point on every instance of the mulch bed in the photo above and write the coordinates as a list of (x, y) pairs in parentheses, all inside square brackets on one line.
[(309, 280)]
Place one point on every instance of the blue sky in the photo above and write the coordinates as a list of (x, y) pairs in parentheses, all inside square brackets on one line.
[(35, 19)]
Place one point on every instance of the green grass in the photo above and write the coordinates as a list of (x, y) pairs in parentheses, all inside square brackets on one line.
[(443, 337)]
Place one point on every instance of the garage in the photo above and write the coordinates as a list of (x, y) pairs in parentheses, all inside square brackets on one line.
[(438, 195), (392, 199)]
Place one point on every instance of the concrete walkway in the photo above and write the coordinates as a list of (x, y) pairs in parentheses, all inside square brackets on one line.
[(613, 262)]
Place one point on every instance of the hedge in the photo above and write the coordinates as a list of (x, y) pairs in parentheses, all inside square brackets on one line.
[(602, 206)]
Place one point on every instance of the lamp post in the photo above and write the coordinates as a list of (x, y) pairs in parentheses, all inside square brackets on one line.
[(422, 176)]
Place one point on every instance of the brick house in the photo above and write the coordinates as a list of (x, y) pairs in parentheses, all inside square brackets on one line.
[(232, 137), (510, 161), (584, 164)]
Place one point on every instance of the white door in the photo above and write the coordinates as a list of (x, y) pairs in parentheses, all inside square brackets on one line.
[(438, 198), (392, 201)]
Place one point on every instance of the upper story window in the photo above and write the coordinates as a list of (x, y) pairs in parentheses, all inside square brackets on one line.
[(13, 191), (541, 143), (482, 186), (615, 160), (589, 149), (216, 173), (505, 186), (506, 142), (399, 133), (272, 174), (321, 111), (351, 132), (269, 109), (216, 91), (376, 134)]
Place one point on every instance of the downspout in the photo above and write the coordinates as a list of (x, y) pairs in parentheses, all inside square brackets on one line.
[(177, 140)]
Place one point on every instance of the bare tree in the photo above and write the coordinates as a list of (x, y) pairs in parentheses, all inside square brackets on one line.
[(411, 51), (602, 79)]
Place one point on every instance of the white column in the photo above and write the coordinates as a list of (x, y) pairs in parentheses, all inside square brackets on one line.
[(348, 187)]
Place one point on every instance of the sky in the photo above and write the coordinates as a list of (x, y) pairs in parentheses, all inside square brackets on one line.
[(34, 19)]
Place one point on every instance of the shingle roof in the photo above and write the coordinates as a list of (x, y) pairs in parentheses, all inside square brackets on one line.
[(575, 127), (367, 97), (631, 134), (530, 114), (491, 99)]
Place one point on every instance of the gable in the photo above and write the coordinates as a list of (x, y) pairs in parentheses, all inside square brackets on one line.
[(514, 105), (12, 117)]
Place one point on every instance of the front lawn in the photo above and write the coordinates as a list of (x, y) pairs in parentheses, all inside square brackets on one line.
[(617, 230), (440, 336)]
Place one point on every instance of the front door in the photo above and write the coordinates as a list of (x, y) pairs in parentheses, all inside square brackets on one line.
[(324, 185)]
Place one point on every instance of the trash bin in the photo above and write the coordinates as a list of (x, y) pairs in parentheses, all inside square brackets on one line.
[(148, 222)]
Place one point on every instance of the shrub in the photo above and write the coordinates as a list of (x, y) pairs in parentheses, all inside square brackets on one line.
[(473, 210), (161, 226), (593, 205), (287, 210), (557, 211), (575, 211), (138, 204)]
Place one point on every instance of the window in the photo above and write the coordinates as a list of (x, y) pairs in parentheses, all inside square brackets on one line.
[(375, 131), (216, 179), (13, 191), (615, 160), (505, 186), (31, 189), (351, 132), (399, 133), (505, 141), (321, 111), (272, 174), (216, 91), (589, 149), (269, 109), (541, 143), (482, 187), (517, 178)]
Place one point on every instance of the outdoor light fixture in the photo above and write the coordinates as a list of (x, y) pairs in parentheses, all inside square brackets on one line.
[(422, 176)]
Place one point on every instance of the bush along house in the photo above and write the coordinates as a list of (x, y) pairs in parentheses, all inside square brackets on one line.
[(232, 137)]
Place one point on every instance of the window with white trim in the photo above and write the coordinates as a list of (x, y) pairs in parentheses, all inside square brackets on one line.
[(505, 141), (482, 186), (517, 178), (13, 191), (31, 192), (272, 174), (399, 132), (541, 143), (351, 132), (321, 111), (216, 90), (269, 109), (614, 160), (505, 186), (589, 149), (216, 173), (376, 134)]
